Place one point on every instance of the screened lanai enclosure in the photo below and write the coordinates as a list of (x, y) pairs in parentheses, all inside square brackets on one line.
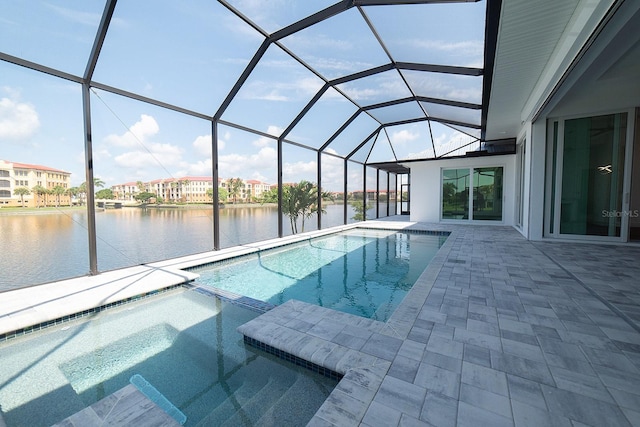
[(178, 99)]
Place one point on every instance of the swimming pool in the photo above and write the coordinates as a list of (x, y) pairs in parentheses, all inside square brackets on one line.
[(182, 342), (366, 272)]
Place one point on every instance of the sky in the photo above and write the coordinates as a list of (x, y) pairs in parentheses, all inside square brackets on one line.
[(191, 53)]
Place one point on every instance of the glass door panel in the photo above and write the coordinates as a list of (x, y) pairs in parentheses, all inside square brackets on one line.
[(520, 162), (455, 193), (403, 186), (487, 194), (593, 156), (634, 202)]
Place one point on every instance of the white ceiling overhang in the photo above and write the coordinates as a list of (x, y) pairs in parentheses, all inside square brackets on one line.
[(537, 44)]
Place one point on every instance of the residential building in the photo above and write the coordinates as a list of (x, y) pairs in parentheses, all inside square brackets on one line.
[(15, 175), (255, 188), (189, 189), (126, 191)]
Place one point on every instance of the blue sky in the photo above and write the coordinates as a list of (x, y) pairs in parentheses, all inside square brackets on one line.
[(191, 53)]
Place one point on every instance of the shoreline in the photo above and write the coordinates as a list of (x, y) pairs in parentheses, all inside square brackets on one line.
[(68, 209)]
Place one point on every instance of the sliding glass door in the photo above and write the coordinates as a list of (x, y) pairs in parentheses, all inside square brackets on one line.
[(588, 177), (455, 193), (472, 193)]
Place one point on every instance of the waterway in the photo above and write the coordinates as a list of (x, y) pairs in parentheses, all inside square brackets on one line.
[(40, 248)]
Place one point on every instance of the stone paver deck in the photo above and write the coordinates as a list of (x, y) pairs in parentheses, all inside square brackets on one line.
[(23, 308), (126, 407), (498, 331)]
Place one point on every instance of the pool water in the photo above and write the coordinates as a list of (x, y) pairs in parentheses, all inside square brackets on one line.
[(364, 272), (184, 343)]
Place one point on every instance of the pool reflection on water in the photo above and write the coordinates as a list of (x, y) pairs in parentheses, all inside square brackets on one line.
[(364, 272)]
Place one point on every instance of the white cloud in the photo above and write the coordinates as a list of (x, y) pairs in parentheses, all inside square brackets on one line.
[(265, 141), (143, 158), (202, 145), (384, 85), (18, 120), (76, 16), (263, 162), (282, 91), (403, 136), (297, 171), (273, 95), (138, 134), (339, 66), (360, 94), (332, 173), (462, 48), (165, 155), (354, 181), (309, 86), (301, 42), (222, 141), (265, 13), (100, 154), (452, 144), (258, 176), (201, 168), (457, 88), (467, 53), (274, 130)]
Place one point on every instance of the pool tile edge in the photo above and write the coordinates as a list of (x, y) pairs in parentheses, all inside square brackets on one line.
[(25, 310), (361, 369)]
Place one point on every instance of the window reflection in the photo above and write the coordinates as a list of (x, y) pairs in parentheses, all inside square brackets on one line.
[(455, 193), (484, 192), (487, 194)]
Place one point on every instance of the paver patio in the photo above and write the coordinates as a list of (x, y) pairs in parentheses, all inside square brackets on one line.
[(498, 331)]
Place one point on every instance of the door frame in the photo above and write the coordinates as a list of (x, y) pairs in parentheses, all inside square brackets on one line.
[(555, 187)]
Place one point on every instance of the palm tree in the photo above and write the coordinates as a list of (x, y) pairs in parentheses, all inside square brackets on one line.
[(21, 191), (37, 191), (97, 182), (184, 182), (235, 185), (58, 191), (300, 200), (46, 192), (72, 192), (82, 189), (174, 186), (82, 192)]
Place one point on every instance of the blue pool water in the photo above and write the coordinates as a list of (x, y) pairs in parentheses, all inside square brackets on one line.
[(364, 272), (183, 343)]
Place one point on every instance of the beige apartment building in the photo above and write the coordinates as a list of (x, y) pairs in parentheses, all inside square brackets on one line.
[(188, 189), (14, 175)]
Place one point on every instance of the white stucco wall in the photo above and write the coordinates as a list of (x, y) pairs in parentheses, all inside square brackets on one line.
[(536, 189), (426, 186)]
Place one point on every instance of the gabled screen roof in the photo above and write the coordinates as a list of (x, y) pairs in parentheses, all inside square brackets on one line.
[(340, 77)]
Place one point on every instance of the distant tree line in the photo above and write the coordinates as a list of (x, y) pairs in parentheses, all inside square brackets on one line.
[(40, 193)]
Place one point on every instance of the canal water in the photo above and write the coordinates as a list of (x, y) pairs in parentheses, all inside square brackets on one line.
[(40, 248)]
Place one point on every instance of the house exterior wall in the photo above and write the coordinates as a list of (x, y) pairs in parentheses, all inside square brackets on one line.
[(426, 187), (603, 82)]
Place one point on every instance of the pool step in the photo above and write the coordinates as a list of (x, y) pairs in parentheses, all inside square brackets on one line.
[(237, 407), (246, 406), (294, 403)]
